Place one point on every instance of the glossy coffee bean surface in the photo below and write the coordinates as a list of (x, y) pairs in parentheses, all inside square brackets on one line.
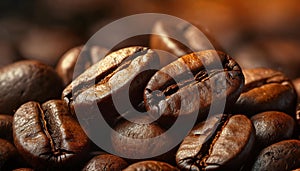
[(272, 127), (265, 90), (280, 156), (185, 86), (220, 143), (122, 74), (25, 81), (105, 162), (151, 166), (47, 135)]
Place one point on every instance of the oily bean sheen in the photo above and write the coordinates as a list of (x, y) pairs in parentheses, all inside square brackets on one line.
[(23, 169), (106, 162), (266, 90), (25, 81), (48, 136), (151, 166), (81, 57), (120, 74), (6, 127), (136, 139), (7, 152), (185, 86), (221, 142), (272, 127), (181, 38), (280, 156)]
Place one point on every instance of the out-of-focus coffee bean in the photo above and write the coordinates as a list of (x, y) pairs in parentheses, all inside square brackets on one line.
[(77, 60), (6, 127), (105, 162), (25, 81), (272, 127), (47, 44), (23, 169), (296, 83), (280, 156), (7, 152), (266, 90)]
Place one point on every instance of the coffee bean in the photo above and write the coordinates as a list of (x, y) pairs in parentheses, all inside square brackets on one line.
[(221, 142), (7, 152), (6, 127), (80, 57), (280, 156), (122, 74), (272, 127), (105, 162), (151, 166), (181, 38), (266, 90), (48, 136), (140, 139), (25, 81), (185, 86)]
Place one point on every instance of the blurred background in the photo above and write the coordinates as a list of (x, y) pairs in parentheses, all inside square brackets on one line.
[(255, 33)]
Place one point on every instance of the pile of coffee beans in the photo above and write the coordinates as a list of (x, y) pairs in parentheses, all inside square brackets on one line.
[(224, 95)]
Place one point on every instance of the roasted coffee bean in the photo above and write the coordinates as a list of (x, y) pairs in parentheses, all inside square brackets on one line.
[(221, 142), (25, 81), (6, 127), (272, 127), (77, 60), (181, 38), (106, 162), (151, 166), (7, 152), (137, 139), (122, 74), (47, 135), (185, 86), (280, 156), (266, 90)]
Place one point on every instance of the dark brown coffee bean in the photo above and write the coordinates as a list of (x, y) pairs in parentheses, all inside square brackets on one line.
[(266, 90), (122, 74), (272, 127), (106, 162), (6, 127), (136, 140), (280, 156), (7, 152), (151, 166), (25, 81), (186, 82), (181, 38), (80, 57), (221, 142), (48, 136)]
